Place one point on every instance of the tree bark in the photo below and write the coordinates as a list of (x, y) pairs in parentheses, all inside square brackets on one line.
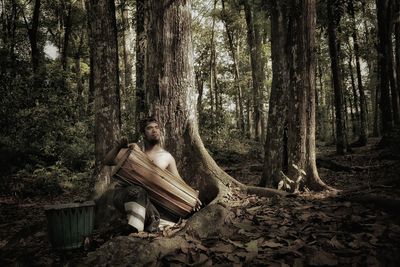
[(200, 90), (334, 46), (277, 115), (104, 50), (141, 43), (383, 56), (257, 67), (126, 54)]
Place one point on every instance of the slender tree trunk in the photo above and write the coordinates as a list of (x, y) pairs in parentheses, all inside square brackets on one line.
[(250, 126), (397, 46), (355, 119), (277, 115), (376, 126), (212, 83), (33, 32), (217, 95), (200, 90), (107, 126), (232, 48), (90, 104), (78, 77), (257, 69), (323, 113), (383, 57), (391, 64), (362, 141), (67, 32), (352, 116), (336, 77)]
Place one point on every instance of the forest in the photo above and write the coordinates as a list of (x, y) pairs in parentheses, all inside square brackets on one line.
[(284, 115)]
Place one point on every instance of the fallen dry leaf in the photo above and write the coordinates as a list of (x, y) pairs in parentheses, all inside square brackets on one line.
[(270, 244), (252, 246), (335, 243)]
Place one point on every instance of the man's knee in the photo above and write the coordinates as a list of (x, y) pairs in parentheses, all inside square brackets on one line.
[(137, 192)]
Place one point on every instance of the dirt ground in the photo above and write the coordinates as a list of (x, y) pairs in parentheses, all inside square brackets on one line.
[(357, 226)]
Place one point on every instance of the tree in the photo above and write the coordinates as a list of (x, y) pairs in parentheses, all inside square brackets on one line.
[(230, 34), (172, 100), (33, 33), (141, 108), (362, 141), (383, 51), (257, 65), (301, 118), (277, 115), (334, 49), (104, 70)]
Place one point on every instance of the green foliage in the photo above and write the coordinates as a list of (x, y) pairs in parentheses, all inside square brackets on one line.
[(44, 181), (222, 139)]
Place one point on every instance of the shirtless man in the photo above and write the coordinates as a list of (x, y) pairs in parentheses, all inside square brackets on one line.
[(152, 148), (132, 199)]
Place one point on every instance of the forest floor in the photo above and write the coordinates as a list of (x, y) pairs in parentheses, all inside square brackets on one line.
[(358, 226)]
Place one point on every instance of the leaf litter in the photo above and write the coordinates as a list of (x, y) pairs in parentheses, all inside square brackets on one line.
[(321, 229)]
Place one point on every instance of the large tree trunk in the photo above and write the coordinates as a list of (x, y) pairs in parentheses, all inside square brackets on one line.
[(170, 90), (274, 145), (383, 39), (104, 49), (341, 144), (257, 66)]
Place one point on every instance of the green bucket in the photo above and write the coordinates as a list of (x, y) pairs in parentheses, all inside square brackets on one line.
[(69, 224)]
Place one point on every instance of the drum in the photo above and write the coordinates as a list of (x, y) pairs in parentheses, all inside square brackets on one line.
[(163, 188)]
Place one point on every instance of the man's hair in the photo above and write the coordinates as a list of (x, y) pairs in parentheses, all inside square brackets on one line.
[(147, 121)]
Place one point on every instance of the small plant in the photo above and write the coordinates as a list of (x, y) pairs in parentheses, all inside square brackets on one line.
[(288, 184)]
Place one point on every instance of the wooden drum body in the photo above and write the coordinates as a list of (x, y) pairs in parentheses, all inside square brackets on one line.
[(163, 188)]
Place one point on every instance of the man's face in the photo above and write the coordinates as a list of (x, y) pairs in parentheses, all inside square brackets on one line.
[(152, 132)]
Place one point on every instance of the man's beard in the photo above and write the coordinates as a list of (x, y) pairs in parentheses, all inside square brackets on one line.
[(153, 141)]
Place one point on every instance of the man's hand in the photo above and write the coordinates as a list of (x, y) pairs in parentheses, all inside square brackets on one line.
[(198, 204), (122, 143)]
